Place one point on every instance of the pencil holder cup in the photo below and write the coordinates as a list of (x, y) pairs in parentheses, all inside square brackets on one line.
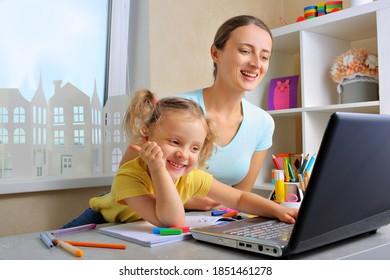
[(293, 195)]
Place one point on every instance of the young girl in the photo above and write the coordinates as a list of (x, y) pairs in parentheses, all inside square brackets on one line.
[(173, 139)]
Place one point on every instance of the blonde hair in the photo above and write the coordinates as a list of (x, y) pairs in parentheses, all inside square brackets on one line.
[(145, 111)]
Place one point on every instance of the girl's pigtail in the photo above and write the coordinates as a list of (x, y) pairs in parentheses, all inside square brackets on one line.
[(138, 115)]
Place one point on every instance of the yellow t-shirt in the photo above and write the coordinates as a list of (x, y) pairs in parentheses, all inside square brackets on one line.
[(133, 180)]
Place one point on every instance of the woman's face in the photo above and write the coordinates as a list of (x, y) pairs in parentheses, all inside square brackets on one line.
[(244, 60)]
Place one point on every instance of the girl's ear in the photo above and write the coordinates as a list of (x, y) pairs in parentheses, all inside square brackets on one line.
[(145, 134)]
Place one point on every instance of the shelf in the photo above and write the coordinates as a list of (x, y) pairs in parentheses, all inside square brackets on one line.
[(308, 49), (359, 107), (286, 112), (362, 107), (332, 24)]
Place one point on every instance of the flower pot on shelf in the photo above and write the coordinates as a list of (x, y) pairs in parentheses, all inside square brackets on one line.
[(358, 89), (356, 74)]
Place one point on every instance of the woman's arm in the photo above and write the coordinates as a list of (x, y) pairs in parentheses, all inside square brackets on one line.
[(248, 182), (250, 203)]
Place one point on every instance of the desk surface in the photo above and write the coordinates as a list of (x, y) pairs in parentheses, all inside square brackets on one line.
[(30, 247)]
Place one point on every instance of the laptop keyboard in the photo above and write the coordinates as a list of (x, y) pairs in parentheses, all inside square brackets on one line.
[(267, 230)]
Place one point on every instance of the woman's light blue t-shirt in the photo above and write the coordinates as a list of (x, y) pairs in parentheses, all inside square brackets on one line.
[(230, 164)]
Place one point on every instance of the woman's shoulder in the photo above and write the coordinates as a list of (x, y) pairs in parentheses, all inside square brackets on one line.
[(195, 95), (255, 112)]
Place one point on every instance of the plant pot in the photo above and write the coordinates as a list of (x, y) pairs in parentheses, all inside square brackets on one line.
[(358, 91)]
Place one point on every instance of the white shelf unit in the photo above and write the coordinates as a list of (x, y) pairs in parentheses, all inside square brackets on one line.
[(308, 49)]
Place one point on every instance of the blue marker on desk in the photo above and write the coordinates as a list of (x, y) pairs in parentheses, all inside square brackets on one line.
[(218, 213), (46, 240), (157, 230)]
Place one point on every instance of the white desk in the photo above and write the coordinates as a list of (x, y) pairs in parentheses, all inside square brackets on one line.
[(30, 247)]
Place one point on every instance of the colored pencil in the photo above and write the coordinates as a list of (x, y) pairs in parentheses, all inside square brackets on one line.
[(275, 160), (94, 244)]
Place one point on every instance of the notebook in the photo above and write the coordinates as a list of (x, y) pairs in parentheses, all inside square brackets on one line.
[(141, 232), (347, 195)]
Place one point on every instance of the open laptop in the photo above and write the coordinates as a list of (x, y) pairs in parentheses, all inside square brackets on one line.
[(347, 195)]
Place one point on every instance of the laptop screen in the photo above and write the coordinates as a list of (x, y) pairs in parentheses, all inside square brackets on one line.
[(348, 191)]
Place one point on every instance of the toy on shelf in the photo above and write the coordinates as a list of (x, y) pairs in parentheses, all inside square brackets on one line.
[(320, 9)]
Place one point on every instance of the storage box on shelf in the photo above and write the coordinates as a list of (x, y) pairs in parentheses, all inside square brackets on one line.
[(308, 49)]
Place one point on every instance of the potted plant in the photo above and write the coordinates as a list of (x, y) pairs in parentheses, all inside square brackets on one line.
[(356, 74)]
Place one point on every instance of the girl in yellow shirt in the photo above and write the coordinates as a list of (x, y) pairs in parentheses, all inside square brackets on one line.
[(173, 139)]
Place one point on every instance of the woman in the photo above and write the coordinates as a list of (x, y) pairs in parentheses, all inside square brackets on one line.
[(240, 52)]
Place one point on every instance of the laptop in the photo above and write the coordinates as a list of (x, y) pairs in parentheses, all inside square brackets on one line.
[(347, 195)]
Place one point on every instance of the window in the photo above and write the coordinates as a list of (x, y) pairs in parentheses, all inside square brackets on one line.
[(59, 137), (79, 137), (78, 115), (117, 136), (3, 136), (19, 136), (3, 115), (52, 107), (58, 115), (116, 158), (19, 115), (117, 118)]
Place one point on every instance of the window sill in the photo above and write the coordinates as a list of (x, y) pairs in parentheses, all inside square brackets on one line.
[(50, 184)]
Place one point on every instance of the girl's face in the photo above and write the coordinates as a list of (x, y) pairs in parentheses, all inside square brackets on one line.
[(180, 138), (244, 60)]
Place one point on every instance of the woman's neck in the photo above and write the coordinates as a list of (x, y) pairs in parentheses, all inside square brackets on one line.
[(223, 100)]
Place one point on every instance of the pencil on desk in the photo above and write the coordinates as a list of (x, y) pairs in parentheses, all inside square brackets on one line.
[(73, 229), (70, 248), (94, 244), (66, 246)]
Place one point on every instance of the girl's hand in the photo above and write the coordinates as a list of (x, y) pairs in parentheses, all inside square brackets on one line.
[(287, 215), (151, 153)]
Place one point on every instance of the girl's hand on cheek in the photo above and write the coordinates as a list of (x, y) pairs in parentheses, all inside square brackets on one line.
[(151, 153)]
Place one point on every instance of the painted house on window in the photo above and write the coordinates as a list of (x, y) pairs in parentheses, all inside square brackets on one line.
[(114, 139), (70, 136), (39, 133), (61, 137), (15, 135)]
